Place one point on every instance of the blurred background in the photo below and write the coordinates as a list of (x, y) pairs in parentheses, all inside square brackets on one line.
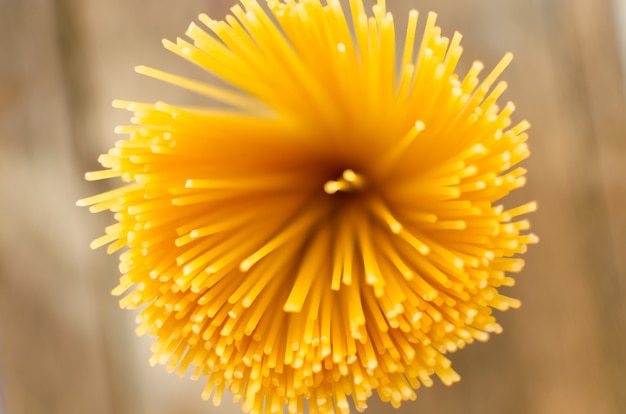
[(65, 347)]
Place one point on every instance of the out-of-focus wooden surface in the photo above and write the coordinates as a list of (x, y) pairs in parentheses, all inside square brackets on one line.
[(66, 348)]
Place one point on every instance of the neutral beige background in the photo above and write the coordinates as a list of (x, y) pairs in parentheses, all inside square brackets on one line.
[(66, 348)]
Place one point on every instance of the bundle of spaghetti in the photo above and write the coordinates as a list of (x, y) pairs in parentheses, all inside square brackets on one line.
[(331, 225)]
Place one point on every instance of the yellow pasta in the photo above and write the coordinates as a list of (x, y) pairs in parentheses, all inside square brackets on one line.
[(329, 225)]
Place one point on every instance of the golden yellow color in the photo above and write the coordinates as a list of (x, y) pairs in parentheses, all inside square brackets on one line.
[(328, 225)]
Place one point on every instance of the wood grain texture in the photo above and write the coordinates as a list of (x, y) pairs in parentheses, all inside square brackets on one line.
[(66, 348)]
